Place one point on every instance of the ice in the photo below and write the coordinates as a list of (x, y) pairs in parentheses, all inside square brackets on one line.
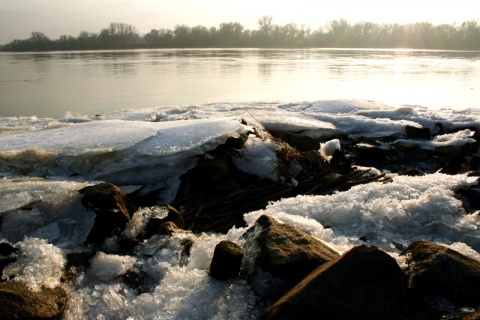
[(258, 158), (44, 208), (109, 266), (40, 264), (328, 148), (388, 215)]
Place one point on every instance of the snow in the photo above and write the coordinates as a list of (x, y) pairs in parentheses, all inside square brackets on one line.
[(44, 162)]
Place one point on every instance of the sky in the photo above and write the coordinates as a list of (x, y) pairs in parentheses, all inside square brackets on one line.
[(19, 18)]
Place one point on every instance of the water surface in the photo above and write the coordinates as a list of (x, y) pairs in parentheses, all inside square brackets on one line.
[(97, 82)]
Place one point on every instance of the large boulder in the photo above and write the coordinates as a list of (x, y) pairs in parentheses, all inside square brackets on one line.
[(284, 251), (112, 208), (18, 302), (227, 259), (435, 269), (364, 283)]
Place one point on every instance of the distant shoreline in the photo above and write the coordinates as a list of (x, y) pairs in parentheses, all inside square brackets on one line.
[(335, 34)]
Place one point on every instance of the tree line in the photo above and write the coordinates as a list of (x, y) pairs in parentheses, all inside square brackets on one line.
[(335, 34)]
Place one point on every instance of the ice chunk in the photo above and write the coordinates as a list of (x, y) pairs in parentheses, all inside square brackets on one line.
[(108, 266), (258, 158), (328, 148), (40, 264)]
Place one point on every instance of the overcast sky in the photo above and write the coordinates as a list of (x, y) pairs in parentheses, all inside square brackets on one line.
[(18, 18)]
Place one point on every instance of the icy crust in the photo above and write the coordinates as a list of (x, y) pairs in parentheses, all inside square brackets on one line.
[(40, 264), (46, 209), (387, 215), (123, 152)]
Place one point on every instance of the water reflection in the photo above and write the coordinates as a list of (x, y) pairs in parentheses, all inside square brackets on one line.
[(105, 81)]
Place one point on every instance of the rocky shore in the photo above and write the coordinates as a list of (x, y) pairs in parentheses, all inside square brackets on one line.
[(294, 274)]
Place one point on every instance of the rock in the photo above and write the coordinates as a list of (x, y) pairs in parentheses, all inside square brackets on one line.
[(301, 142), (418, 133), (286, 251), (159, 226), (470, 197), (435, 269), (369, 154), (7, 249), (340, 162), (8, 255), (364, 283), (167, 228), (112, 208), (227, 259), (18, 302), (410, 150)]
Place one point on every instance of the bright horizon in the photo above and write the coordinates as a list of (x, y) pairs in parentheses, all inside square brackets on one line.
[(19, 18)]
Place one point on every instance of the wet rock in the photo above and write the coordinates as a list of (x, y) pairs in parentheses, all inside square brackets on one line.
[(364, 283), (7, 249), (470, 197), (226, 261), (18, 302), (286, 251), (417, 133), (167, 228), (410, 150), (339, 162), (160, 226), (435, 269), (126, 245), (112, 208), (369, 154), (301, 142)]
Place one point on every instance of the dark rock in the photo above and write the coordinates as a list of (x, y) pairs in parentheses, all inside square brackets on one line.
[(340, 162), (18, 302), (159, 226), (205, 174), (77, 259), (226, 261), (470, 197), (448, 151), (368, 154), (7, 249), (410, 149), (364, 283), (301, 142), (126, 245), (417, 133), (167, 228), (8, 255), (112, 208), (286, 251), (435, 269)]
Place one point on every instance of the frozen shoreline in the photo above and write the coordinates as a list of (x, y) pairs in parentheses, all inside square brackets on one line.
[(44, 162)]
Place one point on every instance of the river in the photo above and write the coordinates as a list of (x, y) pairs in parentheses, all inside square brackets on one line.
[(49, 84)]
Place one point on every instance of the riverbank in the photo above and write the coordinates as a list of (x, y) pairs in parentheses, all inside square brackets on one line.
[(129, 227)]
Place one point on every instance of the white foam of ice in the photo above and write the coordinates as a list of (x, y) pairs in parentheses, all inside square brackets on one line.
[(388, 215), (328, 148), (40, 264)]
